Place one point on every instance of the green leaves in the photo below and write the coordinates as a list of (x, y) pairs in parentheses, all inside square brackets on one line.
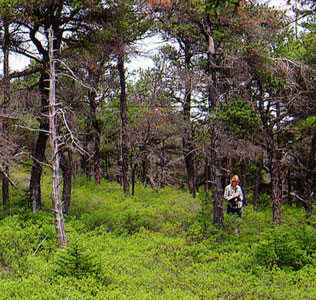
[(76, 261), (239, 115), (286, 247)]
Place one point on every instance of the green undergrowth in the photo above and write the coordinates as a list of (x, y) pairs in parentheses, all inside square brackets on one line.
[(153, 246)]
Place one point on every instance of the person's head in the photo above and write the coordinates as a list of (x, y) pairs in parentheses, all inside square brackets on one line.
[(235, 181)]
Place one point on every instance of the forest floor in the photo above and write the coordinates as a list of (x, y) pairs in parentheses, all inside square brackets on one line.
[(153, 246)]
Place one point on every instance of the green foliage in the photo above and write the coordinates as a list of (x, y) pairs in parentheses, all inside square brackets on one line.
[(240, 115), (286, 247), (308, 123), (76, 261), (21, 236), (154, 246)]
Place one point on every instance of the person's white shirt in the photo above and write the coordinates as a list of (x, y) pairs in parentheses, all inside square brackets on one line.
[(233, 192)]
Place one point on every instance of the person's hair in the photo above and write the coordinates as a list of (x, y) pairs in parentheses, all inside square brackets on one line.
[(235, 178)]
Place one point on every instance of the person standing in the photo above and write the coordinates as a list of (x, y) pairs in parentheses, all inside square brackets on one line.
[(233, 194)]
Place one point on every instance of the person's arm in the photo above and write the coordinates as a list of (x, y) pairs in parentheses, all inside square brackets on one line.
[(226, 193), (240, 194)]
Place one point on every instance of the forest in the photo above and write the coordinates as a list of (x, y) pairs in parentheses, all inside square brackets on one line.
[(112, 176)]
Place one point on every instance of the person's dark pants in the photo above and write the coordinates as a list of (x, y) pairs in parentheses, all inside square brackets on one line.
[(237, 211)]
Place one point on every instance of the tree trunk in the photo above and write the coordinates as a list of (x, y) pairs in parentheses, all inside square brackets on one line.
[(66, 166), (97, 134), (243, 178), (309, 176), (39, 152), (207, 180), (163, 177), (39, 157), (5, 123), (216, 179), (188, 145), (85, 162), (151, 173), (124, 136), (289, 186), (133, 168), (257, 183), (275, 165), (215, 167), (57, 204)]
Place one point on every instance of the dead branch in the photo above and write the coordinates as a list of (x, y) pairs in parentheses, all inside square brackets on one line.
[(298, 197)]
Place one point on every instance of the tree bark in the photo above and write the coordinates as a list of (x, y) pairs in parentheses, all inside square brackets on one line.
[(257, 183), (309, 176), (243, 178), (289, 186), (133, 168), (216, 179), (5, 123), (85, 162), (57, 204), (218, 211), (216, 175), (188, 145), (66, 166), (97, 134), (207, 180), (275, 171), (39, 153), (124, 136)]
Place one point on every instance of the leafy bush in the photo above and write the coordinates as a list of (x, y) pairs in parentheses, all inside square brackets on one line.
[(286, 247)]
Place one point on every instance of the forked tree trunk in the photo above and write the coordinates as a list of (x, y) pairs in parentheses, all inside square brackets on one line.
[(124, 136), (57, 204)]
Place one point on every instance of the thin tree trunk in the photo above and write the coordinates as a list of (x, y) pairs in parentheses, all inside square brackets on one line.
[(276, 185), (163, 178), (97, 134), (276, 172), (216, 179), (85, 162), (257, 183), (289, 186), (309, 176), (39, 153), (188, 148), (66, 166), (215, 168), (151, 173), (57, 204), (133, 168), (207, 180), (229, 171), (5, 123), (243, 178), (124, 136)]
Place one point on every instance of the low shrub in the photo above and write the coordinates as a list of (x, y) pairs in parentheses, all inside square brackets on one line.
[(286, 247)]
